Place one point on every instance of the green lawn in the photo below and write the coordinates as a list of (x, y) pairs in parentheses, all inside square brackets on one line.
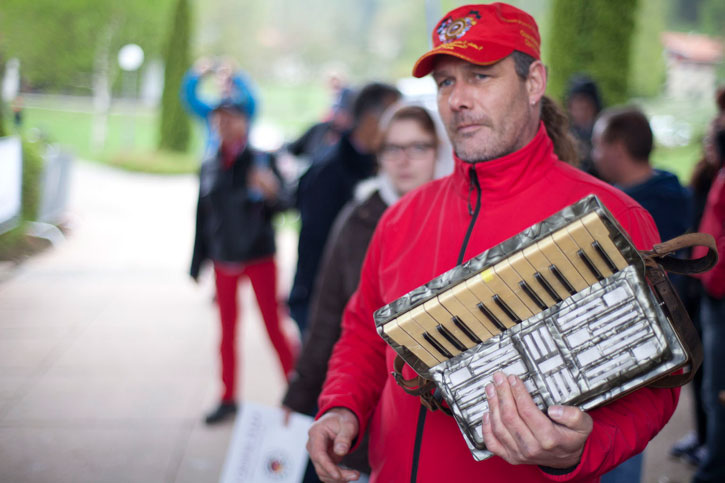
[(132, 134), (679, 160)]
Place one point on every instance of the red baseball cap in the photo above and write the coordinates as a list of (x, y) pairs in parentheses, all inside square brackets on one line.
[(482, 34)]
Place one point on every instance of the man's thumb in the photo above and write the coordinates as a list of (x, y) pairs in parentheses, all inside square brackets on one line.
[(343, 439), (571, 417)]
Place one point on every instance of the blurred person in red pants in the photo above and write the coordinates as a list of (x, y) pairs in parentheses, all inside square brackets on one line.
[(239, 192)]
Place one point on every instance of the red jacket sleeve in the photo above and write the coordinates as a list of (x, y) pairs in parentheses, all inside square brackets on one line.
[(356, 372), (713, 222), (624, 427)]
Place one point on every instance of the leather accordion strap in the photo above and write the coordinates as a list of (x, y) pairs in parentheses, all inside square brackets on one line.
[(419, 386), (661, 259), (664, 252), (681, 324)]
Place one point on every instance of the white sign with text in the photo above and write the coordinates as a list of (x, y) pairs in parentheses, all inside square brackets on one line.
[(263, 449)]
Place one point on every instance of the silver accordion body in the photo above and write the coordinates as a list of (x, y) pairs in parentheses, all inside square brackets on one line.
[(564, 305)]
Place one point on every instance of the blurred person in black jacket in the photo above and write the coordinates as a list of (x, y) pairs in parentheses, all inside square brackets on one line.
[(321, 136), (622, 142), (692, 446), (583, 105), (329, 184)]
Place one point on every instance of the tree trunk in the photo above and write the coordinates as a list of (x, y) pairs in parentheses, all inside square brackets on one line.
[(102, 87)]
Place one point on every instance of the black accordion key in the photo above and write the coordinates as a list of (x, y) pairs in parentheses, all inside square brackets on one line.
[(465, 329), (590, 265), (532, 295), (494, 320), (547, 286), (450, 338), (437, 345)]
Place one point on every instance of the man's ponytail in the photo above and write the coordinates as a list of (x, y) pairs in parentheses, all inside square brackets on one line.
[(557, 127)]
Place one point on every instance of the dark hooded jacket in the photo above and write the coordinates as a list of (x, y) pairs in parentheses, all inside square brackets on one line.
[(233, 222), (323, 190), (337, 281), (669, 203)]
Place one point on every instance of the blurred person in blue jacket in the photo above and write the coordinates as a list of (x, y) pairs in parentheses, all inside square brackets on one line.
[(622, 142), (230, 84)]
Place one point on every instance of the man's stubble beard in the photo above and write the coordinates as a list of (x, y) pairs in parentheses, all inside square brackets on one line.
[(478, 153)]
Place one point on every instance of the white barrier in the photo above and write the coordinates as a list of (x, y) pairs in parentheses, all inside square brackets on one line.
[(11, 182), (55, 185)]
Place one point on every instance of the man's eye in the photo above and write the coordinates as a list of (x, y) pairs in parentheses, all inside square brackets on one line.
[(482, 76), (444, 83)]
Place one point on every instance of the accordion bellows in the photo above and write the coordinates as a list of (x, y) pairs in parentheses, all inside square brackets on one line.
[(564, 305)]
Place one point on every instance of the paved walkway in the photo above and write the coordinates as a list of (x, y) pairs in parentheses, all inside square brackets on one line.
[(108, 349)]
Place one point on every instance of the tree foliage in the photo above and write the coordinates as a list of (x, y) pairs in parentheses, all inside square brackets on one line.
[(58, 42), (592, 37), (712, 17), (2, 119), (647, 65), (175, 128), (33, 164)]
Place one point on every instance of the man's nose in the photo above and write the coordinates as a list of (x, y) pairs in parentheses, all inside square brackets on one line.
[(461, 97)]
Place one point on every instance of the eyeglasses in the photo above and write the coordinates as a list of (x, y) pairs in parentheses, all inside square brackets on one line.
[(412, 150)]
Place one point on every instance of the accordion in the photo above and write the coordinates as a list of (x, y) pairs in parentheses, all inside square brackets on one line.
[(569, 305)]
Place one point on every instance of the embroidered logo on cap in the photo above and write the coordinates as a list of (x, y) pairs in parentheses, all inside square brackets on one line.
[(450, 30)]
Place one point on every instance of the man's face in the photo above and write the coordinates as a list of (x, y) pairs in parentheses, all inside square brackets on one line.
[(231, 125), (582, 111), (606, 155), (408, 155), (488, 111)]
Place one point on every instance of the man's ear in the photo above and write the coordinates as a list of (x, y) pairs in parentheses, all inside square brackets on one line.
[(536, 82)]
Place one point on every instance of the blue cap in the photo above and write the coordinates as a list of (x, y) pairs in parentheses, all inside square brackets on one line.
[(243, 96), (240, 106)]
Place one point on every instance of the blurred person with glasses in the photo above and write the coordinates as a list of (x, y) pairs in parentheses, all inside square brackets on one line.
[(412, 152)]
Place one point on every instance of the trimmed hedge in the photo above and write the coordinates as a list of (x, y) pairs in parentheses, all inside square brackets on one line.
[(592, 37), (2, 120)]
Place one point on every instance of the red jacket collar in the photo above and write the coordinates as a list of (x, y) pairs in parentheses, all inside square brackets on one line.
[(510, 174), (230, 152)]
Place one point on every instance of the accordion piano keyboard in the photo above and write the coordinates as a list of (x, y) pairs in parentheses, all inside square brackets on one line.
[(516, 288)]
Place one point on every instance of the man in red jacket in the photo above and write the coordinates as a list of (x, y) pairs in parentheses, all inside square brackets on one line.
[(507, 177)]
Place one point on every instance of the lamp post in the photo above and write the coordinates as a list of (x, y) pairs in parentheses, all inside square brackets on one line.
[(130, 58)]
